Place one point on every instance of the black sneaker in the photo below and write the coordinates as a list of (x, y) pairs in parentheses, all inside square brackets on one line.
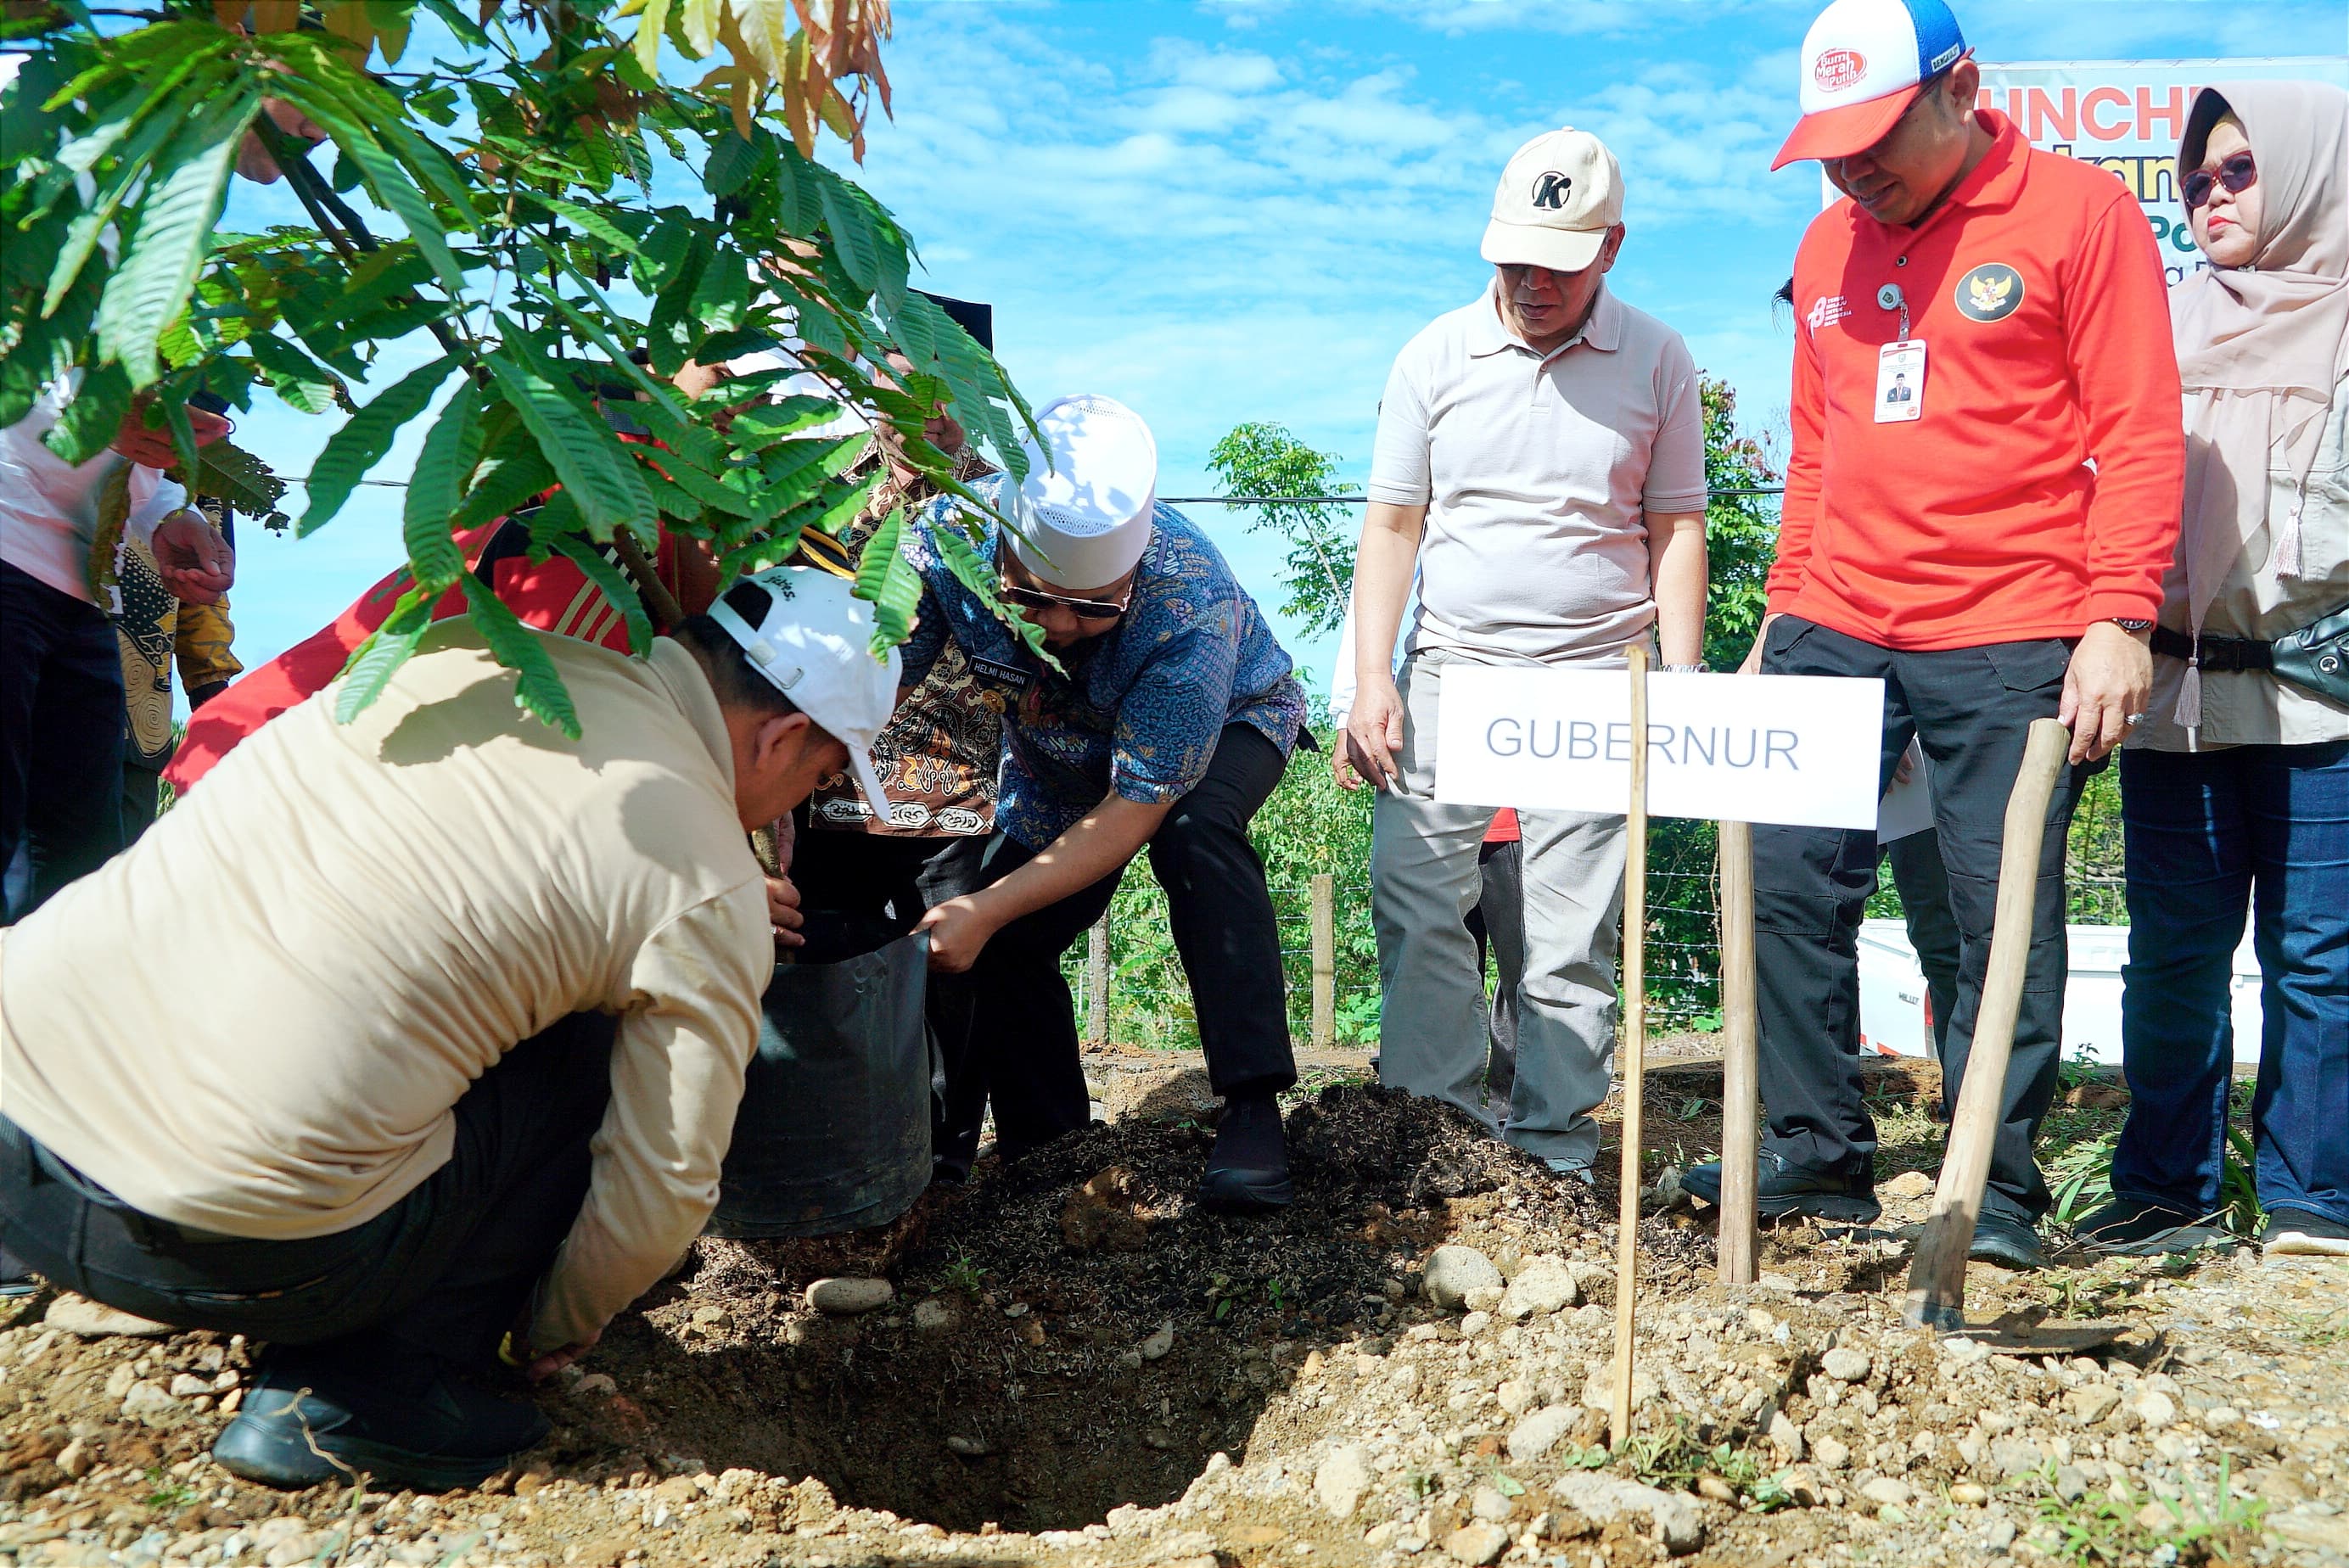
[(1785, 1189), (2006, 1243), (2132, 1228), (15, 1278), (2303, 1232), (308, 1420), (1247, 1169)]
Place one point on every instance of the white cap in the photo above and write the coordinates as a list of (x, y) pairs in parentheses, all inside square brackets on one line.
[(814, 641), (1560, 195), (1864, 62), (1085, 512)]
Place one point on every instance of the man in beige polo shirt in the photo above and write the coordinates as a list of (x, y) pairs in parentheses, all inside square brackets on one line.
[(1540, 459), (456, 1057)]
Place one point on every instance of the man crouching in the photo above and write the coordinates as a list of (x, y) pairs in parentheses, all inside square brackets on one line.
[(458, 1054)]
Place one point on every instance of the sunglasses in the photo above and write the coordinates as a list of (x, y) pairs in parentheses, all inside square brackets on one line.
[(1037, 599), (2238, 174)]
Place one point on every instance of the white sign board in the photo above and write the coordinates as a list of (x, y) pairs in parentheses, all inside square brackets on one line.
[(1797, 750)]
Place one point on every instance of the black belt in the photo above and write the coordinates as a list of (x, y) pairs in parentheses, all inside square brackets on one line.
[(2220, 653)]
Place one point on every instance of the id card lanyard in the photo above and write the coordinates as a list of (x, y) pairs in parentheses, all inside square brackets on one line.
[(1900, 367)]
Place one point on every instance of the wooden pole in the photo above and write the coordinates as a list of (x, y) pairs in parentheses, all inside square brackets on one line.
[(1325, 961), (1097, 983), (1741, 1083), (1632, 1054), (1937, 1277)]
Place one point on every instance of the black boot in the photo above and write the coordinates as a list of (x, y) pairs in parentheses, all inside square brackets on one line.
[(317, 1415), (1784, 1188), (1248, 1171)]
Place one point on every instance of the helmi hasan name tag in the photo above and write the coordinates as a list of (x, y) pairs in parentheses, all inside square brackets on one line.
[(1796, 749)]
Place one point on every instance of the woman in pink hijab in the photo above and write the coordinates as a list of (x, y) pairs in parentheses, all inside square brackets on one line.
[(2235, 789)]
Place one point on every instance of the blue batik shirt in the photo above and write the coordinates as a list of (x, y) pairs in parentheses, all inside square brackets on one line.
[(1140, 706)]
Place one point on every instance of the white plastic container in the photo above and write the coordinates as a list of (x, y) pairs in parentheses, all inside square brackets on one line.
[(1895, 1015)]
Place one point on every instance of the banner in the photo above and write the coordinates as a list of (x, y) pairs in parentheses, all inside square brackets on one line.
[(2126, 116), (1797, 750)]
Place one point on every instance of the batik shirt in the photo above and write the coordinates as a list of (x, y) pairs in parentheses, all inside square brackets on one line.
[(1140, 708)]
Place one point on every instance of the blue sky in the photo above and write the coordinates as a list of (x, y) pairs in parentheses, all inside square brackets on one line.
[(1239, 210)]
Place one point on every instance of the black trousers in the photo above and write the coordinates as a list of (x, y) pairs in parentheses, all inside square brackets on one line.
[(436, 1279), (864, 891), (1971, 709), (1499, 919), (60, 735), (1023, 1026), (1923, 883)]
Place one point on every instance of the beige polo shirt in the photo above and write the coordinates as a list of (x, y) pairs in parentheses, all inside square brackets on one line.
[(1538, 471), (382, 910)]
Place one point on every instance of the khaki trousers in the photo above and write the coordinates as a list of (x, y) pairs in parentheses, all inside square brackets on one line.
[(1424, 881)]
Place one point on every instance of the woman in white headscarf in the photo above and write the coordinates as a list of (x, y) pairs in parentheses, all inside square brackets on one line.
[(2235, 789)]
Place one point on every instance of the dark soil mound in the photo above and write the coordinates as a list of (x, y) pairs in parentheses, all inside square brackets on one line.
[(1073, 1332)]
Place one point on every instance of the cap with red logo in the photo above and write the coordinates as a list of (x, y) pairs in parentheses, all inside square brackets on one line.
[(1863, 63)]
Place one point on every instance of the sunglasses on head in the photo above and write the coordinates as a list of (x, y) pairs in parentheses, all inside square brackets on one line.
[(1037, 599), (2238, 174)]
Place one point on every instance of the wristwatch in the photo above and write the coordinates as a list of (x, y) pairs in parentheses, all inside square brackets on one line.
[(1698, 668), (2132, 626)]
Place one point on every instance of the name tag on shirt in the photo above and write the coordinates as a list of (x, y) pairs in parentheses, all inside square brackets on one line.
[(1901, 382), (994, 670)]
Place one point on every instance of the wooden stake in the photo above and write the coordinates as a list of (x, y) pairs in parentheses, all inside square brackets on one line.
[(1097, 983), (1632, 1054), (1937, 1278), (1741, 1082), (1324, 888)]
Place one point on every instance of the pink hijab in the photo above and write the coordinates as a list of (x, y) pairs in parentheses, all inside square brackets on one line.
[(2261, 348)]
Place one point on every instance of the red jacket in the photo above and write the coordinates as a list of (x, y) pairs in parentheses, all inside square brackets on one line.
[(2039, 298)]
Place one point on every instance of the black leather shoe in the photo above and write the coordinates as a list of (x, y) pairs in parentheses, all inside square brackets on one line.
[(1784, 1188), (1247, 1169), (2008, 1244), (2129, 1228), (308, 1420)]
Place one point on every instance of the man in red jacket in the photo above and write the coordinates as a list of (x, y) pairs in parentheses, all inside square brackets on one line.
[(1982, 497)]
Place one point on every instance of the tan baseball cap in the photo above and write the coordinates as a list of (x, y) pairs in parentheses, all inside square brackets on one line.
[(1560, 195)]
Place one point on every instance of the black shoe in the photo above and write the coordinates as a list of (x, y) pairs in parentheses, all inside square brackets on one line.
[(15, 1279), (2008, 1244), (2303, 1232), (1785, 1189), (308, 1420), (2131, 1228), (1247, 1169)]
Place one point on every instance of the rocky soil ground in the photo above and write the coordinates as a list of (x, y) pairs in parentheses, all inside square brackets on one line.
[(1074, 1366)]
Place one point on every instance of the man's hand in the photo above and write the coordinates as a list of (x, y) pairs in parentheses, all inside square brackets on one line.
[(544, 1366), (2108, 684), (1753, 665), (959, 928), (783, 913), (1373, 734), (195, 564)]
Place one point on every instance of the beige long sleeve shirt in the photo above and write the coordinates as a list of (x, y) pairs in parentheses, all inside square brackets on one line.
[(394, 903), (2252, 707)]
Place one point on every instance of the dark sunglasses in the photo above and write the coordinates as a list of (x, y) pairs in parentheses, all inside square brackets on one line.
[(2238, 174), (1037, 599)]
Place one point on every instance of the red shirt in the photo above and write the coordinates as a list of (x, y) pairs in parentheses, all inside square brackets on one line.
[(2039, 298)]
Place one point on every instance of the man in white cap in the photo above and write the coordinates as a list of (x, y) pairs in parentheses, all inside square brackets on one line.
[(1541, 458), (1168, 724), (1982, 500), (449, 1068)]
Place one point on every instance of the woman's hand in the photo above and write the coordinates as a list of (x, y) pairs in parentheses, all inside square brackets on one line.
[(194, 562)]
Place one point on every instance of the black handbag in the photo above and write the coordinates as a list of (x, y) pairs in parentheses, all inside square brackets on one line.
[(2315, 658)]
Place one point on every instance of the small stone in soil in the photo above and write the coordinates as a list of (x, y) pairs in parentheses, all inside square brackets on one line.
[(1453, 1272), (846, 1297)]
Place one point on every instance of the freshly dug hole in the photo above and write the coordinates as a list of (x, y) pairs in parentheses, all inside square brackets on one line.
[(1026, 1375)]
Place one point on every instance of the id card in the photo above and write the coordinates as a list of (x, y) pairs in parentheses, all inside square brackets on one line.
[(1901, 382)]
